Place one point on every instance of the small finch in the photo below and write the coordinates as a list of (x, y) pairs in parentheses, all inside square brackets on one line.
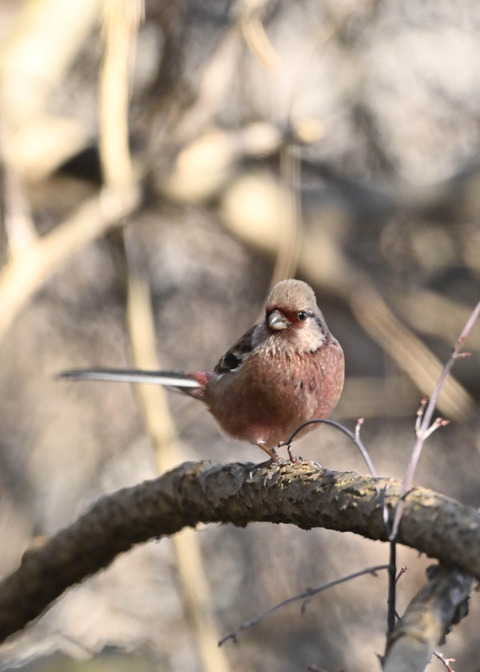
[(282, 372)]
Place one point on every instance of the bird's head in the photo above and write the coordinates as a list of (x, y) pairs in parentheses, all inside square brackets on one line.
[(292, 310)]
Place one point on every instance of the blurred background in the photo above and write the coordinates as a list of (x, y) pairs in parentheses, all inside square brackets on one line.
[(334, 141)]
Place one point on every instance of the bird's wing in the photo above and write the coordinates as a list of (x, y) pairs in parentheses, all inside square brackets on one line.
[(233, 358), (173, 379)]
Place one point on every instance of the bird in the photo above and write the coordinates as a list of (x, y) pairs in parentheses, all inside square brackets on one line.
[(283, 372)]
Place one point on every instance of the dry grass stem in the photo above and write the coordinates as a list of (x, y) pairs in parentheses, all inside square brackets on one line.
[(409, 353), (20, 278)]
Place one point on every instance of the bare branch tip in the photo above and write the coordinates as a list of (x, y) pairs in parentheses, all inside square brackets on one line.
[(304, 606), (423, 403), (232, 636), (420, 413), (358, 427), (445, 661)]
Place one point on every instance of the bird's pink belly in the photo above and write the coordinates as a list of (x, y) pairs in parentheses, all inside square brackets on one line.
[(269, 408), (264, 422)]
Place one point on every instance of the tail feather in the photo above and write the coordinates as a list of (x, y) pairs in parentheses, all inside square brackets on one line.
[(173, 379)]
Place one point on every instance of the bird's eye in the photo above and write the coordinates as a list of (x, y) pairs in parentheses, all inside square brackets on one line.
[(302, 315)]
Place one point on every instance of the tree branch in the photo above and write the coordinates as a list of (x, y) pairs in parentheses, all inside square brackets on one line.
[(429, 616), (301, 494)]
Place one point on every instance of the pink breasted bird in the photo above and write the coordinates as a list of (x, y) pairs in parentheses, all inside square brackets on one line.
[(282, 372)]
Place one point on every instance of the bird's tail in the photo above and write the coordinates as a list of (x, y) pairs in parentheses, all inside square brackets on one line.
[(175, 380)]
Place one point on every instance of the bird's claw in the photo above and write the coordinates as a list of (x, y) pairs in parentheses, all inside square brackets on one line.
[(292, 459), (274, 460)]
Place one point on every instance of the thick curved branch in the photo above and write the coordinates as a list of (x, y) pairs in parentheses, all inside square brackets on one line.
[(301, 494)]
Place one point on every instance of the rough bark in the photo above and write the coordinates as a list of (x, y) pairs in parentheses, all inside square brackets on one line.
[(301, 494), (442, 602)]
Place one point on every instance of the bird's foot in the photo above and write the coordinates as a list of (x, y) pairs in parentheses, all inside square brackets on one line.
[(277, 460), (274, 457), (292, 459)]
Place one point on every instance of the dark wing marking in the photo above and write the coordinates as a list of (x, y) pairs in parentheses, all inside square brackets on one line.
[(232, 359)]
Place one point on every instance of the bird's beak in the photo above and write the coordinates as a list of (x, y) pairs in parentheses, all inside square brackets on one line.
[(277, 321)]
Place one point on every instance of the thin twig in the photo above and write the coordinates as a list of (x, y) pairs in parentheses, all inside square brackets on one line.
[(302, 596), (392, 584), (355, 438), (445, 661), (424, 425)]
